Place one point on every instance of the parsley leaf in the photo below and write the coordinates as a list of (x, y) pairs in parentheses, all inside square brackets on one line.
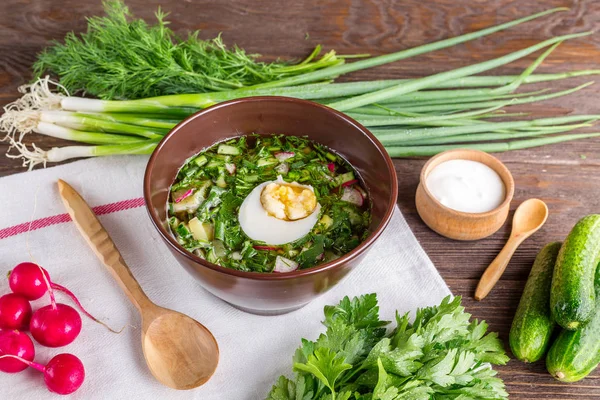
[(326, 366)]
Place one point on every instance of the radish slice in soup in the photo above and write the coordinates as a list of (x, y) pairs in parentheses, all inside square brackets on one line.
[(353, 196), (362, 192), (283, 264), (182, 196), (189, 204), (230, 168), (283, 155), (265, 248)]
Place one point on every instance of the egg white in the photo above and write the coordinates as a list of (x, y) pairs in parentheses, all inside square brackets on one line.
[(259, 225)]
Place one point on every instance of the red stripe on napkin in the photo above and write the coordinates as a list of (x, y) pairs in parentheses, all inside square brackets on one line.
[(62, 218)]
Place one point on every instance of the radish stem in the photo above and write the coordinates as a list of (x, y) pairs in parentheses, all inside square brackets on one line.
[(32, 364), (81, 308), (48, 287)]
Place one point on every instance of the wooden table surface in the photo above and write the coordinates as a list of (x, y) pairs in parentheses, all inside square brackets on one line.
[(566, 176)]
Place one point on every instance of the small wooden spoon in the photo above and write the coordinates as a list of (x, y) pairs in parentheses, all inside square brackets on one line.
[(180, 352), (528, 218)]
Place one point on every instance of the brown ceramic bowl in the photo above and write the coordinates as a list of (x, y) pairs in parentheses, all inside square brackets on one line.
[(457, 224), (276, 292)]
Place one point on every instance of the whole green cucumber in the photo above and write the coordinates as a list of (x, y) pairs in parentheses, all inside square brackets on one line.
[(533, 323), (574, 354), (572, 299)]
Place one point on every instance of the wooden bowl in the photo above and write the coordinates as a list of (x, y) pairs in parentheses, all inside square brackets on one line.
[(461, 225), (274, 293)]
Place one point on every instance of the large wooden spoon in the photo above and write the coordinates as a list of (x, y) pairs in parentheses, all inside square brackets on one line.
[(528, 218), (180, 352)]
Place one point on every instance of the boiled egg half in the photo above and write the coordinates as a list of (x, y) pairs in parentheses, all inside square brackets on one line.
[(279, 212)]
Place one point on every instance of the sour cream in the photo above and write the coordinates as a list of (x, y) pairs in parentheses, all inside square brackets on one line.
[(467, 186)]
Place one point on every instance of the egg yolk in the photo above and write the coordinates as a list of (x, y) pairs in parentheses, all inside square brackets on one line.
[(287, 202)]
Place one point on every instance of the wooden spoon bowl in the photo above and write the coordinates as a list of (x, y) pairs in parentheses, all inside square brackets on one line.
[(176, 349)]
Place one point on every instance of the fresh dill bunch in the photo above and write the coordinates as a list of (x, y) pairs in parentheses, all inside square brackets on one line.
[(120, 57)]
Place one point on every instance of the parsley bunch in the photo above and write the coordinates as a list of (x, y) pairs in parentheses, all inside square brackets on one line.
[(441, 355)]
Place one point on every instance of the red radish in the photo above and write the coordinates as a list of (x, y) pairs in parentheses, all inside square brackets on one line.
[(283, 264), (283, 155), (63, 374), (15, 311), (351, 195), (331, 167), (265, 248), (55, 325), (282, 168), (350, 183), (184, 196), (17, 344), (26, 279), (230, 168)]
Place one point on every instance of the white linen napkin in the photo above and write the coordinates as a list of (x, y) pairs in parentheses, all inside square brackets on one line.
[(255, 350)]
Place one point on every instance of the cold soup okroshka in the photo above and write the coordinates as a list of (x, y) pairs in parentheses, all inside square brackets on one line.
[(268, 204)]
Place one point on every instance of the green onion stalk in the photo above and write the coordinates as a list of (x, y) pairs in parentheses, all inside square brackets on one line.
[(497, 135), (482, 103), (393, 137), (416, 151)]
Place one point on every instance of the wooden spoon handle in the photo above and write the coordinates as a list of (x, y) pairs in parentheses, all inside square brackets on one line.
[(102, 245), (495, 270)]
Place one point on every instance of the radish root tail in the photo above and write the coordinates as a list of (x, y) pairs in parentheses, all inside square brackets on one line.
[(66, 291)]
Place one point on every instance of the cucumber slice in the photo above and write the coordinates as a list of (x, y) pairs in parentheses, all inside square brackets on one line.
[(200, 160), (227, 149), (215, 163), (264, 162), (343, 178), (221, 181), (326, 221)]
